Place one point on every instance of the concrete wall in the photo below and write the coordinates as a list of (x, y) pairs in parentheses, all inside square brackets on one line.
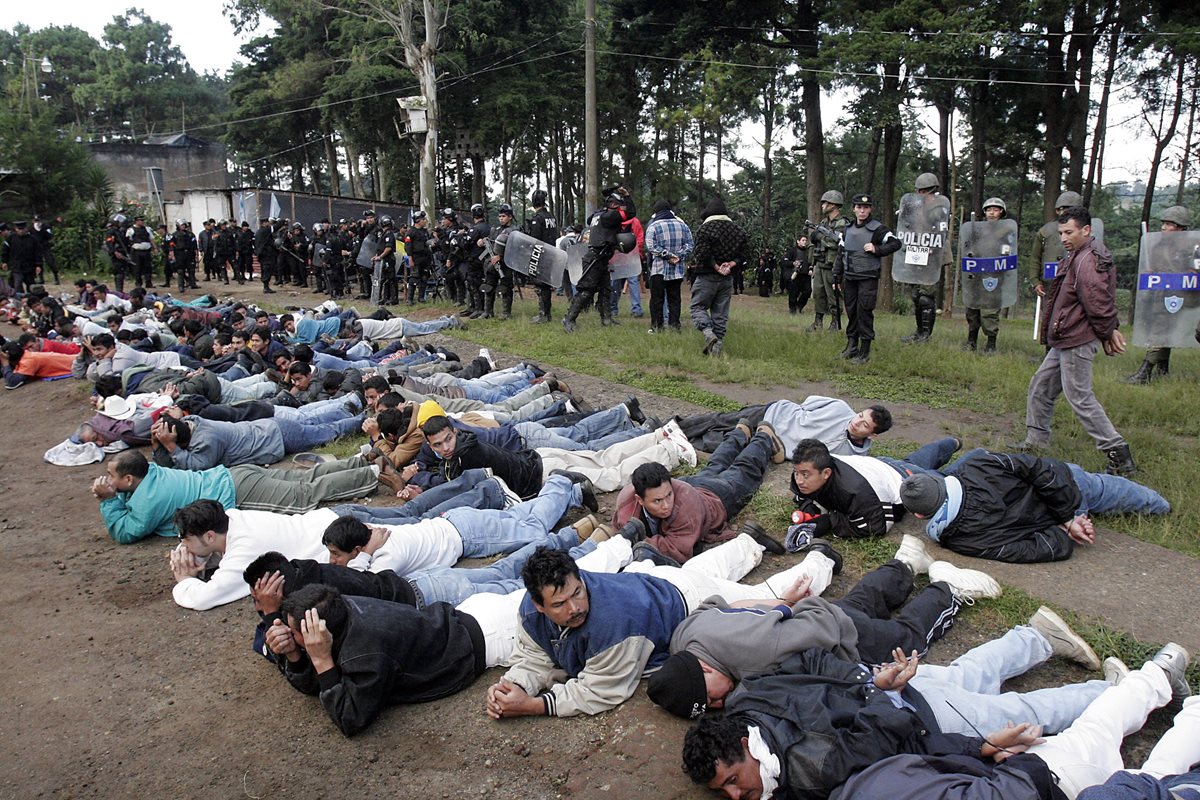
[(191, 167)]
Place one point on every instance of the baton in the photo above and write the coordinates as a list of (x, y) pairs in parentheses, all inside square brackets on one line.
[(1037, 317)]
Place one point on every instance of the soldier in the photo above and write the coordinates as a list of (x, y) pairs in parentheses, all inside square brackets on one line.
[(822, 256), (543, 226), (44, 235), (244, 269), (925, 296), (447, 256), (477, 238), (1157, 362), (1047, 249), (264, 248), (994, 210), (140, 246), (417, 246), (297, 254), (337, 247), (204, 242), (181, 255), (602, 243), (118, 250), (385, 256), (20, 256), (366, 246), (495, 277), (856, 275)]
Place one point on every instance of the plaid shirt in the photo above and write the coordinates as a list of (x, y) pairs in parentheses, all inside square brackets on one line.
[(667, 237)]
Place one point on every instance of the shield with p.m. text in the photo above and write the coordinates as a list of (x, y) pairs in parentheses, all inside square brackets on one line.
[(1173, 304)]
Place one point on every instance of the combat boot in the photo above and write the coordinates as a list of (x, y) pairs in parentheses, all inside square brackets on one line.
[(543, 309), (577, 303), (489, 304), (1144, 374), (990, 347), (835, 324), (1120, 461), (506, 298), (851, 348), (817, 323), (864, 352), (972, 343), (1163, 368)]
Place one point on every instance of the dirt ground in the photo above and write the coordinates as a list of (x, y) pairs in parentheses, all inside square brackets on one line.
[(115, 691)]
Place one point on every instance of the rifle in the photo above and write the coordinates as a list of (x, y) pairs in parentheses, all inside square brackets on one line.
[(823, 234)]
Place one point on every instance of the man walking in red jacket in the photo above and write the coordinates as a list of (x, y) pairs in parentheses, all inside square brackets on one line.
[(1081, 318)]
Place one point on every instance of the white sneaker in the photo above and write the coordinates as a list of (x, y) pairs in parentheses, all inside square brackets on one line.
[(1115, 670), (1063, 641), (673, 432), (486, 355), (969, 584), (913, 553)]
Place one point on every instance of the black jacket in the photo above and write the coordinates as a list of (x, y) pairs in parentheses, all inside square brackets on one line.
[(1012, 507), (825, 719), (853, 509), (520, 469), (390, 654), (717, 241), (22, 252)]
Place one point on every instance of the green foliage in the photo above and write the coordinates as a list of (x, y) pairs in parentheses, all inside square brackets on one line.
[(45, 166), (78, 241)]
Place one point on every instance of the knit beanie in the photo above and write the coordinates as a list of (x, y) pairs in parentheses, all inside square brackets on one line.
[(923, 493), (662, 205), (678, 686), (715, 207)]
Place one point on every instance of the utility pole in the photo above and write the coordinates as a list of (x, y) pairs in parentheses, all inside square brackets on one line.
[(591, 136)]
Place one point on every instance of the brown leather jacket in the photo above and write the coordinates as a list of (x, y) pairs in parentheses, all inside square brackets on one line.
[(1081, 302)]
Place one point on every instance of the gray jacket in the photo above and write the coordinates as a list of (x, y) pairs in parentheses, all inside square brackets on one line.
[(230, 444)]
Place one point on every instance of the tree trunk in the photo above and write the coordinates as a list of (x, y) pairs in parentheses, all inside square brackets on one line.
[(356, 184), (1099, 134), (331, 157), (768, 166), (477, 180), (1187, 143), (1053, 112), (977, 112), (1083, 45), (814, 144), (1162, 140), (892, 142), (872, 159)]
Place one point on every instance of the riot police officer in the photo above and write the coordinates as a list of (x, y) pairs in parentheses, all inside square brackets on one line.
[(601, 245), (205, 244), (1157, 363), (45, 236), (389, 292), (822, 257), (117, 247), (497, 279), (418, 247), (224, 244), (994, 210), (924, 297), (140, 247), (244, 266), (477, 238), (446, 256), (264, 248), (544, 227), (856, 275), (297, 254), (337, 247), (181, 254)]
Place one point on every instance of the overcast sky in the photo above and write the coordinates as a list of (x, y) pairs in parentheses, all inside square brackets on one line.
[(201, 31)]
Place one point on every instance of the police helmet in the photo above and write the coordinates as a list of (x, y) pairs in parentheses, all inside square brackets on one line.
[(477, 210), (995, 202), (834, 197), (318, 228), (1068, 200), (626, 242), (369, 214), (296, 226), (1177, 214), (120, 219), (222, 222), (385, 221), (181, 223), (614, 197), (539, 197), (505, 208), (448, 213), (927, 180)]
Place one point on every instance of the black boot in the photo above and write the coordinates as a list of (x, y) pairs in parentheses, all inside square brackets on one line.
[(990, 347), (1163, 368), (544, 312), (864, 352), (972, 341), (506, 298), (835, 324), (915, 336), (816, 325), (1120, 461), (851, 348), (580, 300), (1144, 374), (489, 304)]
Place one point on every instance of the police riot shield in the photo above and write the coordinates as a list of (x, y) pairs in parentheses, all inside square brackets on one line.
[(988, 260), (320, 255), (923, 227), (1054, 252), (621, 265), (534, 258), (1167, 309), (367, 251)]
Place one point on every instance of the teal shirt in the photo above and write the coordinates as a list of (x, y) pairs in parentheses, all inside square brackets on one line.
[(150, 508)]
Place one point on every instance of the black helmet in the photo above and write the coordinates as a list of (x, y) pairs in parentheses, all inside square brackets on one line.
[(296, 226), (370, 212), (385, 221), (539, 197), (614, 197), (505, 208), (477, 210), (626, 242)]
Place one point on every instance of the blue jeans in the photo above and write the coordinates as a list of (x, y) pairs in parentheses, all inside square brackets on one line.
[(493, 394), (330, 410), (593, 432), (971, 684), (635, 295), (735, 471), (454, 584), (711, 296), (411, 328), (370, 362), (473, 489), (927, 458), (1112, 494), (302, 435), (485, 533)]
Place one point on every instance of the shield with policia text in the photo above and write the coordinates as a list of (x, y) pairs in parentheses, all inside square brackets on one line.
[(534, 258), (1053, 251), (1167, 309), (923, 228), (988, 260), (367, 251)]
